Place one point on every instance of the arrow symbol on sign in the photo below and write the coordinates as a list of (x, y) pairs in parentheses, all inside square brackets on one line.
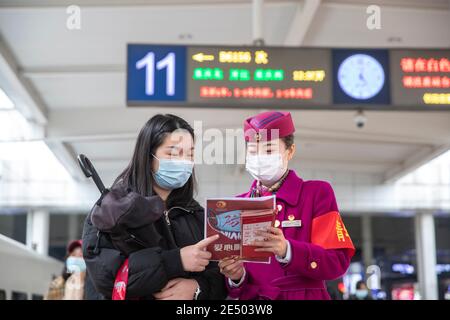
[(200, 57)]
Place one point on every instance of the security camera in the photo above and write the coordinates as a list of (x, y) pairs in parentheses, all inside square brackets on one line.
[(360, 119)]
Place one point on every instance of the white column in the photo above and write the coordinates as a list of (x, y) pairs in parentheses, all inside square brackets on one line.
[(367, 240), (426, 255), (72, 227), (38, 227)]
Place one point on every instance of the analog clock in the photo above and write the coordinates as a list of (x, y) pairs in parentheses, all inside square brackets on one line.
[(361, 76)]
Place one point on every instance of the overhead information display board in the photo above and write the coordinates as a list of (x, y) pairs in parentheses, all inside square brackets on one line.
[(278, 77), (420, 77), (259, 76)]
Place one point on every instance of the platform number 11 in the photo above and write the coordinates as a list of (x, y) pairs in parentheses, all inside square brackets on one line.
[(168, 63)]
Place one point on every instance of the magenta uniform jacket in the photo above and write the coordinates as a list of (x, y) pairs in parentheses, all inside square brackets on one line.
[(321, 247)]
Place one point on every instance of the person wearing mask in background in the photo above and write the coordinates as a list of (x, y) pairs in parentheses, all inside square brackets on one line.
[(309, 241), (70, 285), (361, 292), (162, 164)]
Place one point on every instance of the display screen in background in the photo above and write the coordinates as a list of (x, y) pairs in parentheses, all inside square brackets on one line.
[(292, 78)]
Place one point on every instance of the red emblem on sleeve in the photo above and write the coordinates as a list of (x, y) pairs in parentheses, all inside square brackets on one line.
[(329, 232)]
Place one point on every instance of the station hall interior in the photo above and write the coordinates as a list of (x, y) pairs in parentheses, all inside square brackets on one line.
[(63, 92)]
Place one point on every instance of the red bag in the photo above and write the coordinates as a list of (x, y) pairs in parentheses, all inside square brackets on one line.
[(120, 284)]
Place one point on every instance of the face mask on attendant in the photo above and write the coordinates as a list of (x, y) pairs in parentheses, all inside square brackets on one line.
[(75, 264), (268, 168), (173, 174), (361, 294)]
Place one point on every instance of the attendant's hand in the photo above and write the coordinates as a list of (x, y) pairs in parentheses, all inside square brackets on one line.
[(232, 267), (274, 241), (178, 289)]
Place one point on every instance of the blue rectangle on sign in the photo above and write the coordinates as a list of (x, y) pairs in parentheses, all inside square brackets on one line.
[(156, 73)]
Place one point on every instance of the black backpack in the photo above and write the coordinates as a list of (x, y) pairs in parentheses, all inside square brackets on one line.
[(125, 216)]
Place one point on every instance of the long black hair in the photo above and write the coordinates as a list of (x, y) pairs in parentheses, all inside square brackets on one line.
[(138, 174)]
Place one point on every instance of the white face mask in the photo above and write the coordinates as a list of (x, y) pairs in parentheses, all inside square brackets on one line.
[(268, 168)]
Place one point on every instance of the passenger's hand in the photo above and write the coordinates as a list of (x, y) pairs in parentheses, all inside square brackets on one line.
[(178, 289), (195, 258), (232, 267)]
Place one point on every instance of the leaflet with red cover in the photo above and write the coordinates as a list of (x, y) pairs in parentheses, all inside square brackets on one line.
[(236, 220)]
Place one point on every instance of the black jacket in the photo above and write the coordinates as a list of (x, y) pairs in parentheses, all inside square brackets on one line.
[(150, 269)]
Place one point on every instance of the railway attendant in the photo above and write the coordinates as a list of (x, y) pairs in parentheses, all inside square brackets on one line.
[(309, 242)]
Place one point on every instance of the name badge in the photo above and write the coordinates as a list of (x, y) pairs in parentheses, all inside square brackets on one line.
[(291, 223)]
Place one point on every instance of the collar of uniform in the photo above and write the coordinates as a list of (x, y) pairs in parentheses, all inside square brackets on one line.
[(290, 189), (248, 193)]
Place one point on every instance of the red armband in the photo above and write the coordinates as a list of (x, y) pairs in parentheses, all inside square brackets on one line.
[(328, 231)]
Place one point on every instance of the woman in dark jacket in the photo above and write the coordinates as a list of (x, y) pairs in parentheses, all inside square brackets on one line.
[(180, 269)]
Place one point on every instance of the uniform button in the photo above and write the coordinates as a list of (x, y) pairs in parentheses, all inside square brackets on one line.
[(280, 207), (313, 265)]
